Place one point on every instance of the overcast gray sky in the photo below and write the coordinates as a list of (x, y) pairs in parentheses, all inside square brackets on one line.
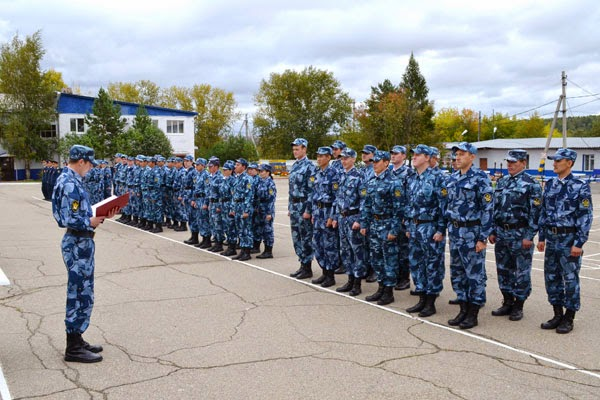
[(505, 56)]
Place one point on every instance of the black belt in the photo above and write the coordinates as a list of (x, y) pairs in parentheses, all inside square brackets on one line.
[(465, 224), (239, 200), (381, 216), (320, 204), (298, 199), (214, 200), (226, 199), (422, 221), (198, 196), (188, 188), (561, 230), (508, 227), (83, 234), (347, 213)]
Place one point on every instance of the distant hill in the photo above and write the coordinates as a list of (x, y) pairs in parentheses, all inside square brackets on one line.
[(587, 125)]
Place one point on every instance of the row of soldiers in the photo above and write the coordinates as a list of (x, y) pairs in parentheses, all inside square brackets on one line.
[(233, 206), (394, 220), (50, 173)]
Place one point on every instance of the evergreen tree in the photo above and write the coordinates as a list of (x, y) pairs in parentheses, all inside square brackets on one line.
[(105, 124)]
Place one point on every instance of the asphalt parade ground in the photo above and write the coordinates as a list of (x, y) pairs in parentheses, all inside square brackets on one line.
[(177, 322)]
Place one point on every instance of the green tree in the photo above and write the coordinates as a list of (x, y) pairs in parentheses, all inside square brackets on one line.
[(105, 124), (308, 104), (143, 137), (71, 139), (28, 103), (231, 148)]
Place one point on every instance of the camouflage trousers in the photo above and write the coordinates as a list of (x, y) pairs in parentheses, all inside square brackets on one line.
[(155, 208), (302, 233), (383, 252), (229, 224), (425, 269), (403, 259), (467, 267), (135, 201), (243, 226), (561, 271), (263, 228), (78, 255), (325, 242), (199, 221), (179, 209), (217, 224), (352, 247), (513, 265)]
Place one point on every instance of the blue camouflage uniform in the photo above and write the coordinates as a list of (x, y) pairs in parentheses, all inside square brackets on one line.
[(565, 221), (179, 211), (266, 193), (108, 178), (440, 246), (469, 217), (169, 204), (517, 205), (381, 216), (136, 190), (199, 196), (72, 209), (366, 174), (216, 191), (155, 185), (227, 204), (243, 203)]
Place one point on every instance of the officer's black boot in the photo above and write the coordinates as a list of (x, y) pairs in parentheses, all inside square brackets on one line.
[(320, 279), (340, 269), (371, 275), (255, 248), (77, 352), (377, 295), (149, 226), (297, 272), (193, 239), (429, 308), (245, 254), (329, 278), (94, 348), (460, 317), (182, 227), (217, 247), (168, 223), (566, 323), (347, 286), (306, 271), (555, 321), (403, 281), (230, 250), (506, 307), (387, 297), (237, 257), (121, 218), (471, 319), (134, 221), (157, 228), (454, 301), (516, 313), (205, 243), (356, 289), (141, 222), (268, 253), (419, 306)]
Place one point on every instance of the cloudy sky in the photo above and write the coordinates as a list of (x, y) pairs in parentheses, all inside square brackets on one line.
[(485, 55)]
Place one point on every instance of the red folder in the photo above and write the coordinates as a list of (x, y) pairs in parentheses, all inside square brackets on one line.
[(102, 208)]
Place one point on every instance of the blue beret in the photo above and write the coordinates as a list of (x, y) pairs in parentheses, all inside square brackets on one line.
[(564, 153), (348, 152), (325, 150), (381, 155), (369, 149), (118, 155), (465, 146), (422, 149), (79, 152), (131, 158), (300, 142)]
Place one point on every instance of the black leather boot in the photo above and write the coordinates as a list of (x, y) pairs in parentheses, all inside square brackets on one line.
[(371, 275), (149, 226), (429, 308), (182, 227), (506, 307), (217, 247), (206, 243), (77, 352), (454, 301), (566, 323), (157, 228), (387, 297), (377, 295), (255, 248), (320, 279), (94, 348), (555, 321), (402, 284), (419, 306), (134, 221), (141, 222), (305, 271), (245, 254), (329, 278), (193, 239), (356, 288), (470, 320), (230, 250), (460, 317), (516, 313), (340, 269), (347, 286), (268, 253), (168, 223), (297, 272)]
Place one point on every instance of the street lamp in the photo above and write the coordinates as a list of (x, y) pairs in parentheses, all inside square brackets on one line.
[(464, 132), (494, 133)]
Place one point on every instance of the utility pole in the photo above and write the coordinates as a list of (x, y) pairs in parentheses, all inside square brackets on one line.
[(479, 127), (564, 108)]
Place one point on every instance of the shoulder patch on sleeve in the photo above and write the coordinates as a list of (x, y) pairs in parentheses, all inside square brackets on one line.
[(487, 197), (363, 192), (312, 178), (537, 201), (336, 186), (397, 193), (270, 192), (75, 206), (444, 192), (249, 186), (585, 203)]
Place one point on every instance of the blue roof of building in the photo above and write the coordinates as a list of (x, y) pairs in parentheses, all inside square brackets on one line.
[(78, 104)]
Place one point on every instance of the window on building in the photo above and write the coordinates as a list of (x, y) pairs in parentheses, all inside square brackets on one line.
[(155, 122), (50, 132), (174, 126), (77, 125), (588, 162)]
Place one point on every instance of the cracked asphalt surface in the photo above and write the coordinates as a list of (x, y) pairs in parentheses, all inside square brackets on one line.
[(177, 322)]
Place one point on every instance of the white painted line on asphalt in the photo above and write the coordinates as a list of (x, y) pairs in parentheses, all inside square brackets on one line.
[(4, 281), (424, 321), (4, 393)]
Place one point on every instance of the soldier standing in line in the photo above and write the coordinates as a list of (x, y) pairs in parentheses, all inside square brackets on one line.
[(440, 246), (155, 183), (337, 147), (243, 205), (517, 204), (168, 199), (266, 193), (426, 227), (185, 196), (126, 211), (194, 199), (135, 199), (565, 222), (299, 208), (252, 171), (469, 217), (227, 208), (346, 218), (366, 174), (214, 195), (108, 178), (379, 221), (145, 181), (116, 166), (178, 205)]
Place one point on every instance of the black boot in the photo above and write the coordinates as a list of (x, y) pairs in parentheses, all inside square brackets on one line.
[(347, 286), (193, 239), (340, 269), (419, 306), (77, 352), (506, 307), (94, 348), (205, 244), (555, 321), (134, 221), (356, 289), (230, 250), (566, 323), (237, 257), (329, 278), (245, 254), (305, 271), (387, 297), (149, 226), (141, 222), (182, 227), (516, 313), (471, 319), (454, 301), (168, 223), (256, 248), (298, 271), (429, 308), (460, 317), (320, 279), (377, 295), (268, 253), (402, 284), (157, 228), (371, 275), (217, 247)]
